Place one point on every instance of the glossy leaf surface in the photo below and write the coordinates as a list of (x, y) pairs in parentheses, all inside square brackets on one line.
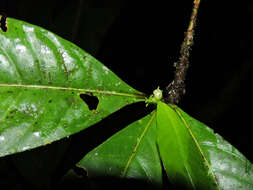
[(193, 155), (50, 88), (130, 153)]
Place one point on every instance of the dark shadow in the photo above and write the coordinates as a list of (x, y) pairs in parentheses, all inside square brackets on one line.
[(108, 183)]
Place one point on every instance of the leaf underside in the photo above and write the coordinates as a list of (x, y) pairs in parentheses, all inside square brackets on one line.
[(197, 158), (50, 88)]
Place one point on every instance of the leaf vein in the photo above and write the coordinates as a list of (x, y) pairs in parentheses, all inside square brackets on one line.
[(223, 150), (207, 164), (10, 106), (13, 63), (140, 96), (139, 140)]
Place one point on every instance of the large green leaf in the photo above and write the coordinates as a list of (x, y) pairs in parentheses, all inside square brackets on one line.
[(130, 153), (45, 86), (197, 158)]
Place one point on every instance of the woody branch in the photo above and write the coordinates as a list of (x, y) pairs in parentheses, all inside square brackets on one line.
[(176, 88)]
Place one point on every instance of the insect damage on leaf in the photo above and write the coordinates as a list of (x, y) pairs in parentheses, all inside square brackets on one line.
[(90, 100), (3, 23)]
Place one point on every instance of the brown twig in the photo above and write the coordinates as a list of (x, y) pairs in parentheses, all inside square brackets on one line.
[(177, 87)]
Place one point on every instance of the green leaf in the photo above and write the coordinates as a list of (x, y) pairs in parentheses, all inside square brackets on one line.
[(197, 158), (50, 88), (130, 153)]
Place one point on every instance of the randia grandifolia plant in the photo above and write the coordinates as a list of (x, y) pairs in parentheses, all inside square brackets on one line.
[(51, 89)]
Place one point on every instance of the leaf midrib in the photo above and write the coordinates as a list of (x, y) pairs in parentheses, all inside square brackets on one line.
[(105, 92), (177, 136), (197, 145), (139, 140)]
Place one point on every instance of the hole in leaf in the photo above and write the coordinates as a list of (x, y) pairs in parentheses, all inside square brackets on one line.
[(80, 171), (3, 24), (90, 100)]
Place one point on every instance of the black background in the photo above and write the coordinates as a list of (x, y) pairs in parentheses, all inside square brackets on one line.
[(143, 41)]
